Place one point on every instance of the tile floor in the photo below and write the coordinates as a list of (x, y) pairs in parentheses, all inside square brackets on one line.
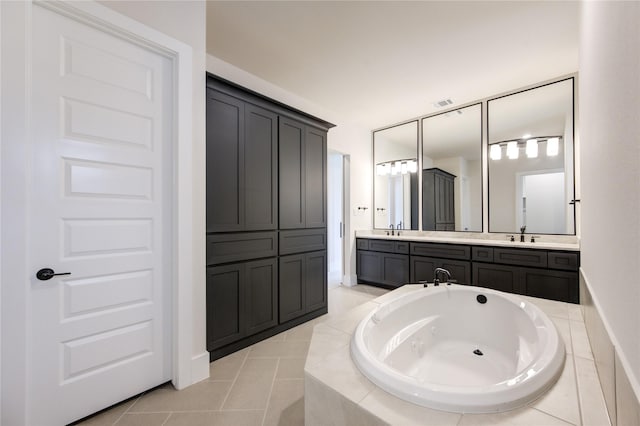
[(259, 385)]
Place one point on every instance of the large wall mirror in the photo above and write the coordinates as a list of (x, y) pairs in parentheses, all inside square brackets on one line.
[(395, 153), (452, 170), (531, 160)]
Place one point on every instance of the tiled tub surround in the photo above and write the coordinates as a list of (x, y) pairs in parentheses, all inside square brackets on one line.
[(336, 393), (622, 403)]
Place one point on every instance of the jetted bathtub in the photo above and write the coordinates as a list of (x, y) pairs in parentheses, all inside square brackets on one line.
[(459, 348)]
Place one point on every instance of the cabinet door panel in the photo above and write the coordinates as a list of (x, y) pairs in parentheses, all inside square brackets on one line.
[(261, 302), (555, 285), (224, 305), (225, 149), (315, 178), (395, 269), (422, 268), (497, 277), (261, 169), (460, 271), (292, 174), (291, 287), (369, 266), (316, 280)]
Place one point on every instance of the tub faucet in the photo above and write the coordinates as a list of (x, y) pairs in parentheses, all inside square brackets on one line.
[(391, 227), (447, 274)]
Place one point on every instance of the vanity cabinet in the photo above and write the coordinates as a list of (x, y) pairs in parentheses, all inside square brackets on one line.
[(303, 175), (438, 200), (266, 217), (548, 274), (383, 262)]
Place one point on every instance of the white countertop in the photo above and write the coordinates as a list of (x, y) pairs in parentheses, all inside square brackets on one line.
[(548, 242)]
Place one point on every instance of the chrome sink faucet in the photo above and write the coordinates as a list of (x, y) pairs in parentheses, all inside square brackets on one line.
[(391, 227), (438, 271)]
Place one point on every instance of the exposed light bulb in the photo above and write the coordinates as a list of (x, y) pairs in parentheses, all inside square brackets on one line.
[(403, 168), (512, 150), (395, 168), (532, 148), (413, 166), (380, 169), (495, 152), (552, 147)]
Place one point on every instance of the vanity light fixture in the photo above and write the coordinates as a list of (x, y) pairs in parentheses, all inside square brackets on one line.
[(393, 168), (532, 148), (495, 152), (512, 150), (382, 169), (552, 147)]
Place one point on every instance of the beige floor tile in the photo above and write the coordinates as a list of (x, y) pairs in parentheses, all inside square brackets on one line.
[(251, 389), (143, 419), (205, 395), (550, 307), (259, 367), (286, 404), (217, 418), (281, 349), (575, 312), (303, 331), (291, 369), (110, 415), (249, 393), (227, 368)]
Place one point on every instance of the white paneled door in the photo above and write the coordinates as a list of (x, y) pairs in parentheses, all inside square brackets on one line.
[(100, 209)]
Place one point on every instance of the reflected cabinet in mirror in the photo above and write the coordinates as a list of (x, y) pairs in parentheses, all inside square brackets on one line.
[(531, 160), (452, 170), (395, 153)]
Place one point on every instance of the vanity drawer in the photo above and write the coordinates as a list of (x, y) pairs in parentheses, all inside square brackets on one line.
[(381, 245), (401, 247), (520, 257), (563, 260), (448, 251), (223, 248), (303, 240), (482, 254), (362, 244)]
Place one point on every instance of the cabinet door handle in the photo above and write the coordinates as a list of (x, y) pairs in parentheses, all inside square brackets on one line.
[(341, 224)]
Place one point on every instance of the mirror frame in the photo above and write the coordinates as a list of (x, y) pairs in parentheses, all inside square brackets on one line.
[(573, 154), (482, 160)]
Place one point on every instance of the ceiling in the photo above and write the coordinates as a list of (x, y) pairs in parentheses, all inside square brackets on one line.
[(377, 63)]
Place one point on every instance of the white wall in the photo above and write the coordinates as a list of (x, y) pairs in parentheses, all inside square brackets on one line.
[(349, 139), (185, 21), (610, 172)]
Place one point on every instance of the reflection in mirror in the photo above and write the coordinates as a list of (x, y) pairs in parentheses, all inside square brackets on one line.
[(452, 170), (395, 152), (531, 176)]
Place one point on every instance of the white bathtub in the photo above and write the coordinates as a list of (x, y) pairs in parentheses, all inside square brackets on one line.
[(441, 348)]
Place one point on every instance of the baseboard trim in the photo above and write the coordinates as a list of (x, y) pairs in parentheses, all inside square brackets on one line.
[(200, 367)]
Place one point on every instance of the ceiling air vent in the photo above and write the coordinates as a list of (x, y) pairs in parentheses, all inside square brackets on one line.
[(443, 103)]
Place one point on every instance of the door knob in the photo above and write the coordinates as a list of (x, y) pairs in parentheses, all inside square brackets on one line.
[(45, 274)]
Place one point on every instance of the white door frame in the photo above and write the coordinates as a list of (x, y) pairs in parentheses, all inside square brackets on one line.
[(15, 147)]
